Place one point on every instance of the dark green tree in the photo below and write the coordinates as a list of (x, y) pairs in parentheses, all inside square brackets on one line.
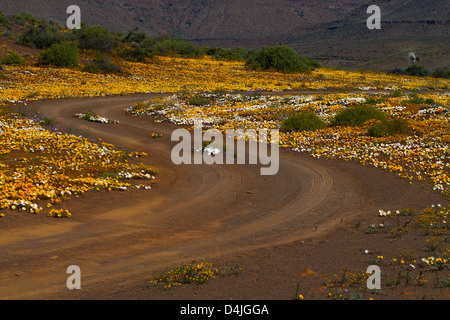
[(40, 37), (63, 55), (96, 38), (279, 58)]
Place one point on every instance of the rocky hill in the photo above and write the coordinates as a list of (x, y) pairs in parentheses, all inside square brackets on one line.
[(332, 31)]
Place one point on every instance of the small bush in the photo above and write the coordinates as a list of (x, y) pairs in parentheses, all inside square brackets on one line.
[(303, 121), (378, 129), (417, 71), (279, 58), (237, 54), (414, 70), (389, 127), (192, 273), (103, 64), (13, 58), (167, 46), (40, 37), (443, 282), (135, 54), (443, 72), (399, 126), (4, 20), (64, 55), (397, 93), (357, 115), (46, 121), (199, 100), (397, 71), (22, 17), (415, 99), (96, 38), (134, 37)]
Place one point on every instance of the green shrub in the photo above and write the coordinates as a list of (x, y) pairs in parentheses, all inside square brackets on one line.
[(303, 121), (397, 93), (443, 282), (417, 71), (134, 37), (389, 127), (102, 64), (415, 99), (357, 115), (167, 46), (96, 38), (40, 37), (22, 17), (397, 71), (199, 100), (4, 20), (237, 54), (46, 121), (414, 70), (13, 58), (279, 58), (135, 54), (7, 33), (91, 68), (192, 273), (64, 55), (399, 126), (443, 72), (378, 129)]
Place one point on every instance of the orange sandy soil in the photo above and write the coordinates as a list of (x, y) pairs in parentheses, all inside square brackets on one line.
[(289, 233)]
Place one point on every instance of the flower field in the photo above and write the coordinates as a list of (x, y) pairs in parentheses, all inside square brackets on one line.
[(172, 74), (42, 168), (203, 223), (64, 164), (89, 116), (422, 154)]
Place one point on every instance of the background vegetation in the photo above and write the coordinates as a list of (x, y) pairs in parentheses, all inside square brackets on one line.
[(137, 46)]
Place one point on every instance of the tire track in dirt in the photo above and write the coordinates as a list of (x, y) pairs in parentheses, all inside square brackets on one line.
[(195, 211)]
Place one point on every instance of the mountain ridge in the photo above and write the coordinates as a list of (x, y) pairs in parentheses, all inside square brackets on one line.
[(333, 31)]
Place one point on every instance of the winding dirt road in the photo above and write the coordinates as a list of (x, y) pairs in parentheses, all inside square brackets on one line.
[(194, 212)]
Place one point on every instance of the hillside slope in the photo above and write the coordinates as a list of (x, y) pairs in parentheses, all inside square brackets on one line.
[(333, 31)]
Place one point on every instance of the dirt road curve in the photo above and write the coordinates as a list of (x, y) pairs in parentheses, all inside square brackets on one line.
[(194, 212)]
